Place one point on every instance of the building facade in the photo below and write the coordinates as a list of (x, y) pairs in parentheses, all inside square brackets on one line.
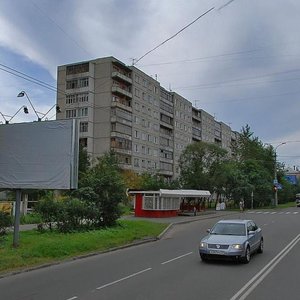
[(123, 109)]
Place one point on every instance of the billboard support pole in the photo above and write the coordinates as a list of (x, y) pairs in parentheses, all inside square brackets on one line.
[(17, 218)]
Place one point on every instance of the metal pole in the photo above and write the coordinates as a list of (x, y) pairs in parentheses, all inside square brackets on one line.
[(275, 180), (17, 218), (275, 175)]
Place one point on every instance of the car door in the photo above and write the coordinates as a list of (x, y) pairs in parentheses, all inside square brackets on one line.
[(251, 237), (255, 237), (257, 234)]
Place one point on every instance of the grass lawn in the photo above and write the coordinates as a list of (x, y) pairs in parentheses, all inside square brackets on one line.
[(41, 248)]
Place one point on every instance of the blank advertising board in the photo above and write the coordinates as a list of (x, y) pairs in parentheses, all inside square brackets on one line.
[(39, 155)]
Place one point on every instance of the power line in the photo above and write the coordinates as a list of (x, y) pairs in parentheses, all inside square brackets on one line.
[(207, 85), (59, 27), (185, 27)]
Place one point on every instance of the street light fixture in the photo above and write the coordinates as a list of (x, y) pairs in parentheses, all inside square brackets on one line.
[(275, 175), (22, 94)]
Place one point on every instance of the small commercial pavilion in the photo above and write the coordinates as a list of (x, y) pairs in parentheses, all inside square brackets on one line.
[(167, 203)]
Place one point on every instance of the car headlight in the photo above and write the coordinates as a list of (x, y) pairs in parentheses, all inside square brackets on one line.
[(203, 245), (237, 246)]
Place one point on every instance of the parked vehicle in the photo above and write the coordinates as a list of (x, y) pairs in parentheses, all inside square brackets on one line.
[(298, 200), (235, 239)]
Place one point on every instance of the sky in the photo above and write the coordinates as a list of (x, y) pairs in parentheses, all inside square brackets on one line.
[(239, 60)]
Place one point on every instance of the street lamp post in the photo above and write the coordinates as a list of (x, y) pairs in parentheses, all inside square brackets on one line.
[(25, 109), (57, 111), (275, 175), (22, 94)]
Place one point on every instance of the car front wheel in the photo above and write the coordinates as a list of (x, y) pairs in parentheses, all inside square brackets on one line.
[(203, 257), (261, 246), (247, 257)]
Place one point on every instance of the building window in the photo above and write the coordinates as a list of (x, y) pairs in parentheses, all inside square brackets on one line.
[(74, 98), (71, 84), (70, 113), (83, 142), (76, 69), (84, 82), (83, 127), (121, 143), (77, 83), (83, 112), (136, 162)]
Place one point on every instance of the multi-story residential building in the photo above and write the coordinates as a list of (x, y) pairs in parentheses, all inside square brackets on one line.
[(123, 109)]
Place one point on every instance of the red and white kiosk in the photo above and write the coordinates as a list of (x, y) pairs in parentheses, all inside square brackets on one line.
[(166, 203)]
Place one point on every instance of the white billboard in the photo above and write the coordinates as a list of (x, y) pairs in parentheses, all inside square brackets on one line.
[(39, 155)]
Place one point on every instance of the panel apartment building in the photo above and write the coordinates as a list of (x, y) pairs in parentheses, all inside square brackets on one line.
[(123, 109)]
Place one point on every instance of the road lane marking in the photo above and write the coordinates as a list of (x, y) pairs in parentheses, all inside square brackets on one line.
[(244, 292), (295, 212), (178, 257), (273, 212), (72, 298), (122, 279)]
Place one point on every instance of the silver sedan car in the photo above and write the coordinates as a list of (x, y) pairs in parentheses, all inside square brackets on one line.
[(236, 239)]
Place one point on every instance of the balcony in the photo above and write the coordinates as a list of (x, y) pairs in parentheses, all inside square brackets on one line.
[(121, 92), (121, 77)]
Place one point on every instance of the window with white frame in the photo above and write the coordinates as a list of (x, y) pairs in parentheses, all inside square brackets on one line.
[(70, 113), (136, 162), (83, 112), (154, 202), (83, 127)]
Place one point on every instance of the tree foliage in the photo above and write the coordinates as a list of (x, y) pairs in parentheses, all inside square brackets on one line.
[(248, 172), (198, 162)]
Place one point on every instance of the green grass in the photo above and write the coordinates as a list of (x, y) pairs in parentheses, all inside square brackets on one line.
[(287, 205), (41, 248)]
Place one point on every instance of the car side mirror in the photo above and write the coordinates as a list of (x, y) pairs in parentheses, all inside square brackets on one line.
[(251, 232), (208, 230)]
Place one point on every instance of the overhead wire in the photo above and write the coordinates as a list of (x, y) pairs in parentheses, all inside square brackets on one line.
[(173, 36), (59, 27)]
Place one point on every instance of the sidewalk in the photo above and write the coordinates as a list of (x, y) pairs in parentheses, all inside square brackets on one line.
[(208, 214)]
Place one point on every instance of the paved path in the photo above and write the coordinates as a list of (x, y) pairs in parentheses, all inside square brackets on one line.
[(172, 220)]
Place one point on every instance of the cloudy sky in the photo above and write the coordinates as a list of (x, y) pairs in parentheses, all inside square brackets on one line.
[(240, 62)]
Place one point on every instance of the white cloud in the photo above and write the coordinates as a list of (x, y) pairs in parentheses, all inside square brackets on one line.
[(245, 39)]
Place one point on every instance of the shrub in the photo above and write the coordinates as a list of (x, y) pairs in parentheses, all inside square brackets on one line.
[(5, 221)]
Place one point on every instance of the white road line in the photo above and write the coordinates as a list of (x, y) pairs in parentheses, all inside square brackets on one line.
[(266, 212), (72, 298), (288, 212), (178, 257), (295, 212), (244, 292), (274, 212), (124, 278)]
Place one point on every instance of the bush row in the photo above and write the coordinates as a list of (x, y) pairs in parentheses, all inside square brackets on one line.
[(72, 215)]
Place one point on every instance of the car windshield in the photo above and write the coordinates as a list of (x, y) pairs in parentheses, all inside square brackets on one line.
[(228, 229)]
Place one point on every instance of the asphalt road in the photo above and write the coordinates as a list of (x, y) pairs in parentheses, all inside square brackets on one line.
[(171, 268)]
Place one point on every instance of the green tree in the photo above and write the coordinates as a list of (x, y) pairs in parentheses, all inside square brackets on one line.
[(103, 186), (198, 163), (256, 163)]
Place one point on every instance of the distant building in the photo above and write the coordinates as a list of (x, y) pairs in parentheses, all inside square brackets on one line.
[(123, 109), (292, 175)]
